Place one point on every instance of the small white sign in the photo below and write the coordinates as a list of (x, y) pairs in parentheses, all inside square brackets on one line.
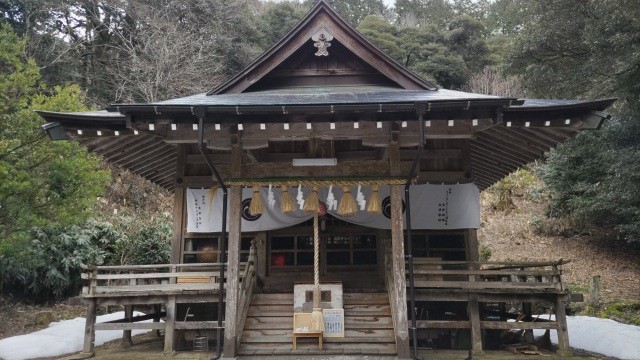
[(333, 323)]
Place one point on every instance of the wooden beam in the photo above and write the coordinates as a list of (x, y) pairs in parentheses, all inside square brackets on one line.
[(131, 152), (521, 136), (489, 154), (490, 140), (443, 177), (144, 155)]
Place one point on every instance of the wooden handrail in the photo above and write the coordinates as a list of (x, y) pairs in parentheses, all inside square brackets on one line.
[(246, 289)]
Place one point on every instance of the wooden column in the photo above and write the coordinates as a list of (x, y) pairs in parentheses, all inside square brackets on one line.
[(233, 261), (170, 324), (126, 334), (473, 250), (399, 278), (232, 287), (476, 331), (178, 209), (90, 329), (261, 255), (563, 332)]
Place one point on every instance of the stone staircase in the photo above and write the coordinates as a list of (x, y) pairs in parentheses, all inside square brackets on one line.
[(368, 327)]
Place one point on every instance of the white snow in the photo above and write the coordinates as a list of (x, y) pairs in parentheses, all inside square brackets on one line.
[(60, 338), (602, 336)]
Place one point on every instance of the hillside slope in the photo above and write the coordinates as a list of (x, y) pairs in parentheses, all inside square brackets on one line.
[(514, 227)]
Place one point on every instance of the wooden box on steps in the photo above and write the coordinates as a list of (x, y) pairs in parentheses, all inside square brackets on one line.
[(301, 326)]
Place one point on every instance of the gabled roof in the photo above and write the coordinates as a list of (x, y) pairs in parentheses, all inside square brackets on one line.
[(322, 17)]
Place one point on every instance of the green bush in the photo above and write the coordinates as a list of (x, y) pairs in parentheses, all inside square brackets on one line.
[(49, 264), (594, 178)]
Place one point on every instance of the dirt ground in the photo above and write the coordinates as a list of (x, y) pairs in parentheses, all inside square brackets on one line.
[(514, 234), (18, 317)]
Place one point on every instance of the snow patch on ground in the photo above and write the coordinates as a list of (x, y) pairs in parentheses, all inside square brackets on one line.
[(60, 338), (602, 336)]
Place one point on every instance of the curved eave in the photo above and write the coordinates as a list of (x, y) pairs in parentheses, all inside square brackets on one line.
[(525, 134)]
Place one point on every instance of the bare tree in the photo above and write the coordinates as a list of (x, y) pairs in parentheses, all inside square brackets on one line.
[(491, 82)]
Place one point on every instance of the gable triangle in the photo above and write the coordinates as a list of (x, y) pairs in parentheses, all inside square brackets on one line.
[(322, 49)]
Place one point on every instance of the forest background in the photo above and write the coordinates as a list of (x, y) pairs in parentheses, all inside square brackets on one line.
[(61, 206)]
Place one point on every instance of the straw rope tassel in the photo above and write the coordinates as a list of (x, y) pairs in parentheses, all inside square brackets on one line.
[(373, 206), (311, 204), (257, 206), (348, 204), (317, 320), (287, 203)]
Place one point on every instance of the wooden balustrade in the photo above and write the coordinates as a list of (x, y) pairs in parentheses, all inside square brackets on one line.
[(150, 280), (477, 282)]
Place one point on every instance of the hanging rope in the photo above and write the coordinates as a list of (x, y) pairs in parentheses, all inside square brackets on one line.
[(317, 320)]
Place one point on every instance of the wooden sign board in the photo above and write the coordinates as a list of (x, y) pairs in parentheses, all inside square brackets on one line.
[(333, 323)]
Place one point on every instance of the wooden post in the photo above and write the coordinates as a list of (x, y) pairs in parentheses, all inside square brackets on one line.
[(399, 278), (528, 333), (126, 334), (178, 208), (261, 255), (563, 332), (233, 254), (233, 276), (473, 250), (170, 324), (476, 331), (90, 329)]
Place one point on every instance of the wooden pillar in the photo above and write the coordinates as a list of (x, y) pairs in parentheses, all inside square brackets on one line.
[(178, 209), (399, 278), (476, 331), (473, 250), (233, 276), (232, 287), (169, 327), (126, 334), (90, 329), (528, 333), (563, 332), (261, 255)]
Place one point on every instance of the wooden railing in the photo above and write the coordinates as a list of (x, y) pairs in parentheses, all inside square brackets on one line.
[(163, 279), (246, 289), (478, 276)]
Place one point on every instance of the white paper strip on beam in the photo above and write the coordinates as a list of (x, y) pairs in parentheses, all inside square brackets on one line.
[(437, 207)]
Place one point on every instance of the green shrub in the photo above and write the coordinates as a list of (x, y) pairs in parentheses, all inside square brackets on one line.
[(49, 264)]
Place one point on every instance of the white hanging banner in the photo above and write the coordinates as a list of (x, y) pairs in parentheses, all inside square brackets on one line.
[(204, 214), (437, 207)]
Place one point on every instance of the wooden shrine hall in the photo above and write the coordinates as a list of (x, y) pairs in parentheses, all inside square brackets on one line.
[(328, 184)]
